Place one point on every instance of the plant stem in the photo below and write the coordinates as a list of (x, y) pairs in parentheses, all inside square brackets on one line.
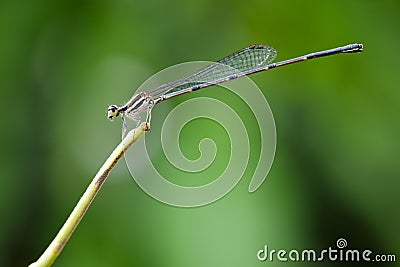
[(56, 246)]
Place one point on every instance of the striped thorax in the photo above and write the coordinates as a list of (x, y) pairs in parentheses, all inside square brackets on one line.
[(138, 103)]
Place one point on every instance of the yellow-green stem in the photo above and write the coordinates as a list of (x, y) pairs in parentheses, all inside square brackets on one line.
[(56, 246)]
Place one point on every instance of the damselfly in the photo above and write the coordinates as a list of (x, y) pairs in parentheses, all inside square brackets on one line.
[(249, 60)]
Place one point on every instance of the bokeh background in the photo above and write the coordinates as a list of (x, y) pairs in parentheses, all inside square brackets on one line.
[(336, 171)]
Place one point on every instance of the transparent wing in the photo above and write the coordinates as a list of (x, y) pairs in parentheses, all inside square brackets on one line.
[(243, 61)]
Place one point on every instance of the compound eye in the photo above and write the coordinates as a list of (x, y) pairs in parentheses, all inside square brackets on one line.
[(112, 112)]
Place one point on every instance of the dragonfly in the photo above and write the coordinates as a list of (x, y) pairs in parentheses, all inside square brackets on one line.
[(252, 59)]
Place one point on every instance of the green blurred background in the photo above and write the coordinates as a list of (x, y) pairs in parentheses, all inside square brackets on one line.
[(336, 171)]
